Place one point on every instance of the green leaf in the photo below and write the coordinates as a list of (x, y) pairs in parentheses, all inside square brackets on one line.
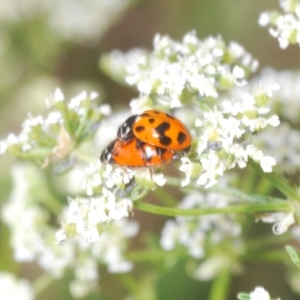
[(243, 296), (293, 255), (279, 182)]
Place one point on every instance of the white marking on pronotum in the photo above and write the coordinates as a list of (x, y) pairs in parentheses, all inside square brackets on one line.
[(125, 129), (148, 151)]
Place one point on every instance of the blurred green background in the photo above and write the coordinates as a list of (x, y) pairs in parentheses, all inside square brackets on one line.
[(34, 59)]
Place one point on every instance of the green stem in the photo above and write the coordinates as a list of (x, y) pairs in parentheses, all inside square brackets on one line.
[(220, 285), (280, 183), (65, 114), (248, 208)]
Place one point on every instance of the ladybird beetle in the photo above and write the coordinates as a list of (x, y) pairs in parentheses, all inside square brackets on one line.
[(136, 153), (158, 129)]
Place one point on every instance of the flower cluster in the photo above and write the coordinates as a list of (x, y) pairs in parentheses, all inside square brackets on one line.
[(195, 233), (223, 138), (69, 19), (286, 97), (90, 217), (110, 192), (284, 26), (177, 73), (281, 221), (259, 293), (55, 137), (33, 238), (285, 148), (13, 289)]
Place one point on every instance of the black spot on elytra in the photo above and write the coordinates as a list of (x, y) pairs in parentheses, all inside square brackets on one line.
[(151, 121), (139, 129), (165, 140), (181, 137), (161, 129)]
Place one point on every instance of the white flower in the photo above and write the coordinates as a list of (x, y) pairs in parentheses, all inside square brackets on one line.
[(112, 244), (284, 148), (169, 235), (88, 215), (222, 141), (274, 121), (9, 141), (173, 68), (209, 268), (115, 261), (282, 221), (159, 179), (264, 19), (260, 294), (283, 225), (75, 102), (114, 176), (141, 104), (60, 236), (212, 169), (52, 138), (13, 289), (71, 20), (267, 163), (283, 26), (192, 232), (81, 288), (33, 236), (186, 168), (57, 96)]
